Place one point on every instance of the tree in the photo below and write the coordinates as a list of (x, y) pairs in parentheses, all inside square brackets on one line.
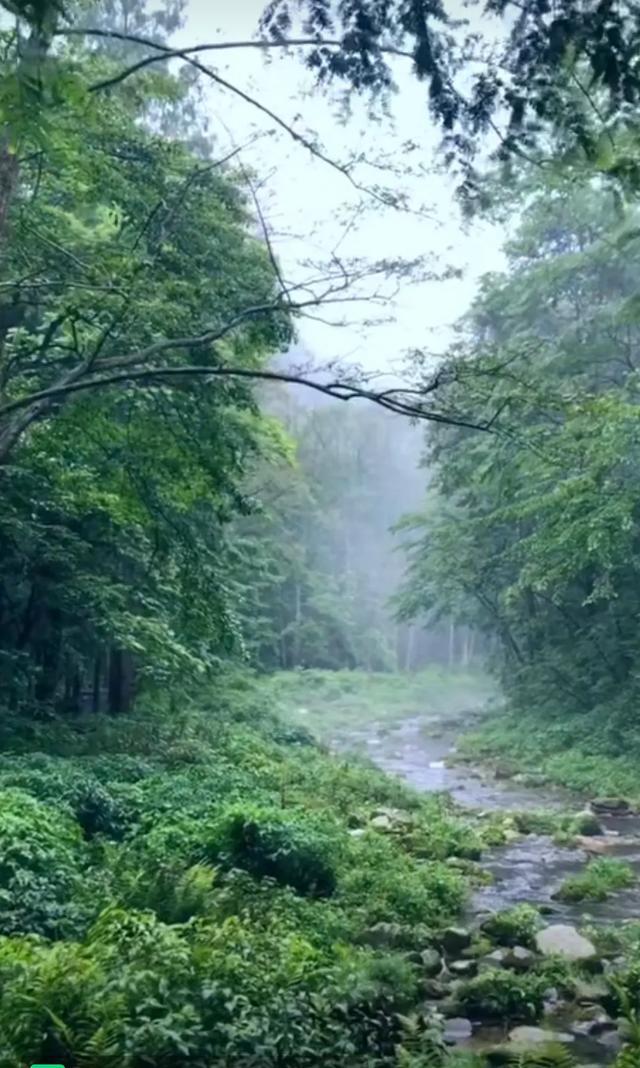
[(319, 566), (114, 506), (532, 535)]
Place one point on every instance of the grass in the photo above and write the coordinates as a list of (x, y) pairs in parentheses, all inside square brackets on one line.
[(600, 878), (572, 752), (335, 702), (202, 883)]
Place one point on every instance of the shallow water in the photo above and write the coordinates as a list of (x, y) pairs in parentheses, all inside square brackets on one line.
[(533, 867), (529, 869)]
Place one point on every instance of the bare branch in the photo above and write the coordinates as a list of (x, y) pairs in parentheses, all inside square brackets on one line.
[(165, 53), (338, 390)]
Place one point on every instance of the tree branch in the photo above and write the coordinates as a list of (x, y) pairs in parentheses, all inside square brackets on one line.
[(165, 53), (343, 391)]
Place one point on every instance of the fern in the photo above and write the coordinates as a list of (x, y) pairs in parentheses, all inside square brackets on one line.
[(551, 1055)]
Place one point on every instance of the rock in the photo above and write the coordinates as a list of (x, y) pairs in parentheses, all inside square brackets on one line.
[(595, 1024), (463, 969), (531, 778), (382, 823), (457, 1029), (497, 959), (431, 962), (395, 815), (533, 1036), (455, 939), (611, 1040), (504, 770), (383, 936), (611, 806), (435, 989), (357, 832), (520, 958), (595, 846), (449, 1007), (564, 941), (587, 991)]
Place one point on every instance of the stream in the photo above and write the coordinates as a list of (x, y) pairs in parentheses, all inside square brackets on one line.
[(529, 869)]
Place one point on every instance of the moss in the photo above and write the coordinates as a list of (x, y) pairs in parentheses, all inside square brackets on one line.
[(599, 878)]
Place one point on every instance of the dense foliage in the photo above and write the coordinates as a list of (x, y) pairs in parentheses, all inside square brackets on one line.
[(115, 502), (532, 531), (182, 923)]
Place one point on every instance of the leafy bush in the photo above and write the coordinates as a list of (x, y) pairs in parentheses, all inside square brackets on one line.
[(40, 868), (502, 995), (516, 926), (385, 885), (600, 878), (292, 847), (229, 932)]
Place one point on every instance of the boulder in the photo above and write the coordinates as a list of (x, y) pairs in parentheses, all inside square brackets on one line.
[(395, 815), (463, 969), (594, 846), (504, 770), (457, 1029), (383, 936), (588, 991), (520, 958), (611, 806), (611, 1040), (531, 778), (382, 823), (434, 989), (562, 940), (431, 962), (597, 1022), (455, 939), (497, 959), (526, 1035)]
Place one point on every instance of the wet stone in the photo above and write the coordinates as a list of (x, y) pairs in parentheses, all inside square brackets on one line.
[(455, 939), (457, 1029), (531, 1036), (434, 989), (431, 962), (562, 940), (590, 990), (520, 958), (463, 969)]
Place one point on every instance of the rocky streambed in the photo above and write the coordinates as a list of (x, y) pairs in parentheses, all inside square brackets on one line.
[(528, 869)]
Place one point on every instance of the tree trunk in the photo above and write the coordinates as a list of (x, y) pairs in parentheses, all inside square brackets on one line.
[(95, 696), (121, 681)]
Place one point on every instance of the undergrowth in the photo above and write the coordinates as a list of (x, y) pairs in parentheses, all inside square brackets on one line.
[(583, 753), (195, 886)]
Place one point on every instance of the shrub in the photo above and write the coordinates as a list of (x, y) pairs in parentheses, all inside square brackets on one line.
[(40, 857), (384, 885), (597, 881), (502, 995), (516, 926), (294, 848)]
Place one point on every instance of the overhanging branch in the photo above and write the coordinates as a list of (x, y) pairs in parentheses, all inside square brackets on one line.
[(397, 401)]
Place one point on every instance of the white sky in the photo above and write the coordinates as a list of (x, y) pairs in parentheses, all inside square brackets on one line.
[(307, 203)]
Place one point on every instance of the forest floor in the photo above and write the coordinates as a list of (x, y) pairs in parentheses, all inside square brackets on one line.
[(202, 883)]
